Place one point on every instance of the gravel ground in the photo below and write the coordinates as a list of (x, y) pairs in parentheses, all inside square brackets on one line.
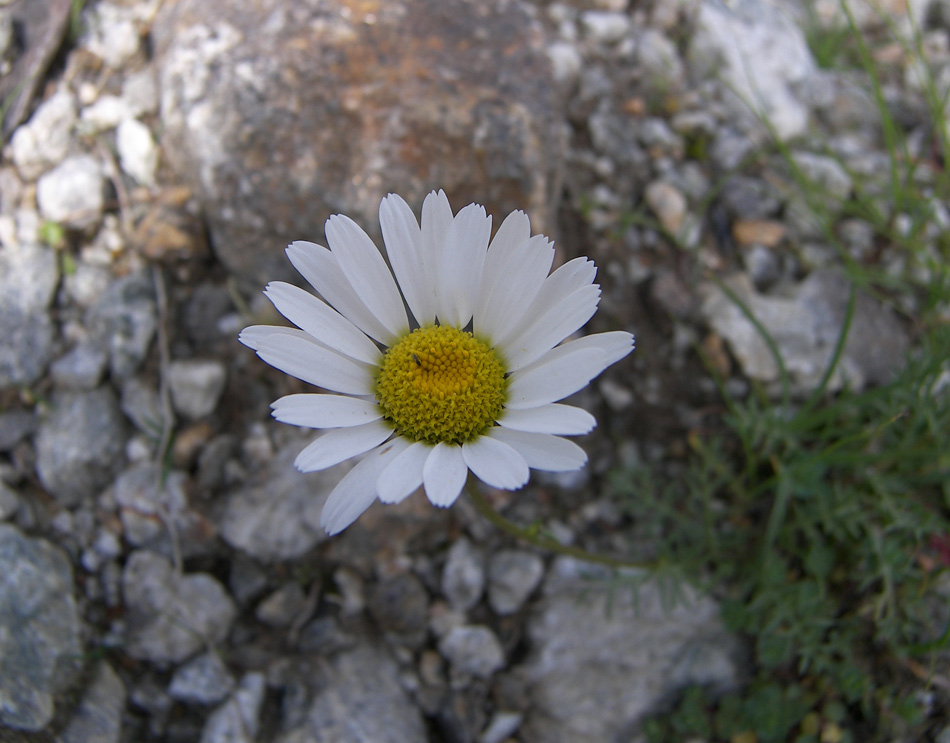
[(164, 575)]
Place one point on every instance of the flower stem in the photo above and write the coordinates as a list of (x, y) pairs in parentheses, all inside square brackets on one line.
[(534, 537)]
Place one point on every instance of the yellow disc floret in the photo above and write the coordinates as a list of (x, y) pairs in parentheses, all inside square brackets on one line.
[(441, 384)]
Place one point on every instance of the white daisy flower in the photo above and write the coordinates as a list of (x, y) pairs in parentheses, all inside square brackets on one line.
[(468, 379)]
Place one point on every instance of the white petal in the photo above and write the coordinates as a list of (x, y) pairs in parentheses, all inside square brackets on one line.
[(564, 420), (565, 280), (367, 272), (403, 474), (325, 411), (436, 220), (616, 344), (320, 268), (462, 263), (297, 354), (444, 474), (513, 277), (513, 232), (325, 324), (542, 451), (357, 490), (339, 444), (403, 240), (252, 335), (554, 380), (550, 329), (495, 463)]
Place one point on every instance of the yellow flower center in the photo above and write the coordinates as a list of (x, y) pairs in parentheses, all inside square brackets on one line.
[(441, 384)]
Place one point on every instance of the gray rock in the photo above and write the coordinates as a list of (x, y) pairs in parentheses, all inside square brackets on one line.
[(602, 658), (238, 719), (276, 516), (605, 27), (512, 577), (502, 726), (374, 96), (142, 405), (360, 699), (80, 369), (760, 54), (203, 680), (196, 386), (400, 605), (171, 616), (9, 502), (668, 204), (463, 577), (79, 447), (660, 63), (155, 513), (28, 278), (124, 321), (72, 193), (473, 649), (39, 629), (138, 154), (16, 425), (44, 140), (283, 606), (744, 197), (111, 34), (805, 326), (98, 718)]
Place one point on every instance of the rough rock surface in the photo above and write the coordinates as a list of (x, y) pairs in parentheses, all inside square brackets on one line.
[(172, 616), (595, 668), (361, 700), (79, 447), (805, 326), (281, 115), (98, 718), (40, 643), (28, 277)]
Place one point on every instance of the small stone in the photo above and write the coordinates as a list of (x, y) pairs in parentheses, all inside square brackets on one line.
[(513, 575), (463, 578), (153, 506), (764, 266), (473, 649), (765, 232), (196, 386), (566, 62), (28, 278), (98, 718), (138, 154), (202, 680), (170, 617), (365, 679), (605, 27), (400, 605), (106, 113), (9, 502), (16, 425), (45, 139), (668, 204), (79, 447), (110, 34), (276, 516), (283, 607), (502, 726), (80, 369), (39, 629), (238, 719), (124, 322), (142, 406), (71, 194)]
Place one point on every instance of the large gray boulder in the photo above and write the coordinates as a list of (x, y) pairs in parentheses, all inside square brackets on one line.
[(281, 114)]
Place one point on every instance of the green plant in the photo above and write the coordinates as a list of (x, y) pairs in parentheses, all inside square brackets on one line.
[(824, 523)]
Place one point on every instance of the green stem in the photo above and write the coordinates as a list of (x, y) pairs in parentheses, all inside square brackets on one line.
[(549, 544)]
